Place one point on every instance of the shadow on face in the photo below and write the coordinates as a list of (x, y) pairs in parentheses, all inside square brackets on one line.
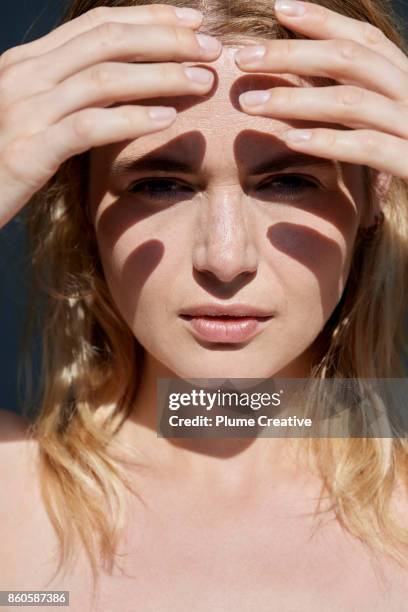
[(216, 208)]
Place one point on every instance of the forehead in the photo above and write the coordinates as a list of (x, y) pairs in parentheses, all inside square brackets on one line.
[(217, 115), (212, 133), (220, 108)]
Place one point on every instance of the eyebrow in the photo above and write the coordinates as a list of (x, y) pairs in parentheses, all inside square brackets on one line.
[(167, 163)]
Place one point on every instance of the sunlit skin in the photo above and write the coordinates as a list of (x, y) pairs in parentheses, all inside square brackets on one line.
[(226, 241), (227, 238), (224, 238), (227, 523), (244, 245)]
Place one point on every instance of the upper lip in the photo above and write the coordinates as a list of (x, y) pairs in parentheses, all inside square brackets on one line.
[(238, 310)]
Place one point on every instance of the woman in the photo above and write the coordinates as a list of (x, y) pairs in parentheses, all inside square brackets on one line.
[(138, 221)]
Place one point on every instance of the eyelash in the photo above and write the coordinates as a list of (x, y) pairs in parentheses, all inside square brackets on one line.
[(288, 193)]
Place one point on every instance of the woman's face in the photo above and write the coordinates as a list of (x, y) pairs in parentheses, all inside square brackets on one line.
[(225, 227)]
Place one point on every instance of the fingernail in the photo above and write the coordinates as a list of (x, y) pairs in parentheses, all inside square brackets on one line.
[(208, 43), (255, 97), (250, 54), (292, 8), (298, 135), (188, 14), (199, 75), (162, 113)]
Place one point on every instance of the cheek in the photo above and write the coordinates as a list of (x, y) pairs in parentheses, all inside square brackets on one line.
[(312, 263), (134, 250), (307, 257)]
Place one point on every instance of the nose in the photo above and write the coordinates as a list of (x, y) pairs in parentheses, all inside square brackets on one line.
[(224, 244)]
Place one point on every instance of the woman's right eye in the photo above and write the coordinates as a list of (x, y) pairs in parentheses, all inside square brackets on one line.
[(159, 189)]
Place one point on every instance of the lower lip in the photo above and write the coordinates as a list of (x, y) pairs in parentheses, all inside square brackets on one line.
[(229, 330)]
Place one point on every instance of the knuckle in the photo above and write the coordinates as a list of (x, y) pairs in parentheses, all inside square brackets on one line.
[(180, 36), (349, 95), (291, 96), (24, 167), (12, 115), (10, 56), (161, 11), (110, 32), (347, 49), (11, 160), (83, 125), (101, 74), (326, 136), (370, 143), (289, 47), (168, 71), (282, 98), (126, 115), (371, 34), (11, 78), (96, 16), (8, 79), (276, 99), (320, 14)]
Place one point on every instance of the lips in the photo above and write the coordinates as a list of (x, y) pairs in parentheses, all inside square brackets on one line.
[(214, 324), (226, 310)]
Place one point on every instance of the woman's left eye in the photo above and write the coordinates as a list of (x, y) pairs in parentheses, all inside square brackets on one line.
[(288, 185)]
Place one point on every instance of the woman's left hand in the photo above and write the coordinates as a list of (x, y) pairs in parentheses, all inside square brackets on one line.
[(372, 97)]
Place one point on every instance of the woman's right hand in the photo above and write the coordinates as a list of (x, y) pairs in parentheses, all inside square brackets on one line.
[(53, 90)]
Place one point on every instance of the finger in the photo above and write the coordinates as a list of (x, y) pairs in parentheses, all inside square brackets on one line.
[(343, 60), (111, 41), (351, 106), (30, 162), (320, 22), (124, 42), (364, 147), (160, 14), (105, 84)]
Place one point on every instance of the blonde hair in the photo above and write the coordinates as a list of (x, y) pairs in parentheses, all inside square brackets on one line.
[(91, 364)]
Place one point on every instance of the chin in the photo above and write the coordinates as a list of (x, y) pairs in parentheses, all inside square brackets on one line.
[(224, 366)]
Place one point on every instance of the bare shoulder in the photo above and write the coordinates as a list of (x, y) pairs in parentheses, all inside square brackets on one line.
[(17, 461), (12, 425), (17, 457), (16, 444), (24, 529)]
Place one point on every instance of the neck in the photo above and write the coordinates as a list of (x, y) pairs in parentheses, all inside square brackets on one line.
[(229, 461)]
